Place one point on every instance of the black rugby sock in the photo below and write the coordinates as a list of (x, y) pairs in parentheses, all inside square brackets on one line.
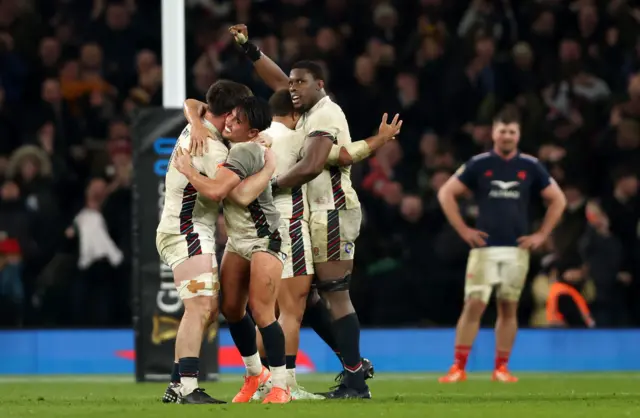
[(273, 339), (175, 373), (243, 334), (291, 361), (264, 361), (347, 331)]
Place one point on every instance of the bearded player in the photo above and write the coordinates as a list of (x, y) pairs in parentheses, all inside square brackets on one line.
[(185, 237), (335, 213), (251, 270), (502, 182)]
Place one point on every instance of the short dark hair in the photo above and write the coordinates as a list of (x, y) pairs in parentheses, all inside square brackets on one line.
[(224, 95), (281, 104), (509, 114), (257, 112), (312, 67)]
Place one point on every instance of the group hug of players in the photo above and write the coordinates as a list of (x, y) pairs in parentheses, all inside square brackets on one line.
[(282, 172)]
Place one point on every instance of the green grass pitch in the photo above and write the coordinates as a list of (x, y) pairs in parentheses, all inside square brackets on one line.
[(581, 395)]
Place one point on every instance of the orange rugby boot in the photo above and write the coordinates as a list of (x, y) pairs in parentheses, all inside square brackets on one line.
[(502, 374), (251, 385), (278, 395), (454, 375)]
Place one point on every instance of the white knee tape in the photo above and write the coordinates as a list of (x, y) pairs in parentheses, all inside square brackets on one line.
[(205, 284)]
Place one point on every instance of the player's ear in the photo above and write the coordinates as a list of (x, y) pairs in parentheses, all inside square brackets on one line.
[(253, 133), (320, 84)]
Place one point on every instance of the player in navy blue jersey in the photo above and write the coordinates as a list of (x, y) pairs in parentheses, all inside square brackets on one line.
[(503, 182)]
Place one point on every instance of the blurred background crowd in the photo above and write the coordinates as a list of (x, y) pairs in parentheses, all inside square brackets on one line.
[(73, 72)]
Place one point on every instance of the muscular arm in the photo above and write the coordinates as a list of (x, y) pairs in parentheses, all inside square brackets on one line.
[(250, 188), (556, 205), (447, 198), (216, 188), (356, 151), (316, 151), (194, 111), (271, 73)]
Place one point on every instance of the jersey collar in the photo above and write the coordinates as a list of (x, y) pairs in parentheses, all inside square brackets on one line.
[(495, 154)]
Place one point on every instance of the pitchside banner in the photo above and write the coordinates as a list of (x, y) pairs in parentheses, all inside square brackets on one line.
[(156, 305)]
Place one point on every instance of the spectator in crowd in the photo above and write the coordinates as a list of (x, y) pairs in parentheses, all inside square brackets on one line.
[(73, 73)]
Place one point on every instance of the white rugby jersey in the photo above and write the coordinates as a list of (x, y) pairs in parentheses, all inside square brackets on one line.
[(287, 147), (332, 189), (185, 212)]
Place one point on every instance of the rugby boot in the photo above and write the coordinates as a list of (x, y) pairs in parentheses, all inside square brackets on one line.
[(298, 393), (454, 375), (502, 374), (199, 396), (344, 392), (172, 394), (251, 385), (278, 395), (262, 391), (367, 369)]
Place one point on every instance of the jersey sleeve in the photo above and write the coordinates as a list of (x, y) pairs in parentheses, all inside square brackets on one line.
[(542, 178), (323, 124), (468, 174), (216, 156), (245, 159)]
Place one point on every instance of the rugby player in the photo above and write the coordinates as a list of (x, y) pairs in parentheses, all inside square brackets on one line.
[(335, 214), (251, 272), (502, 182), (185, 238), (294, 211)]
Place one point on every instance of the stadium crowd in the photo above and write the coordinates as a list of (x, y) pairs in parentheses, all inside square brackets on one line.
[(73, 72)]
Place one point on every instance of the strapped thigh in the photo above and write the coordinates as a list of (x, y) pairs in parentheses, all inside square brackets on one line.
[(205, 284)]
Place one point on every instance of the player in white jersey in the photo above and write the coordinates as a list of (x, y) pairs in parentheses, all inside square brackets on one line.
[(185, 239), (253, 261), (335, 210)]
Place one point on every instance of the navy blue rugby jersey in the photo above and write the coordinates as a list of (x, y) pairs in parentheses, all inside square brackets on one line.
[(503, 189)]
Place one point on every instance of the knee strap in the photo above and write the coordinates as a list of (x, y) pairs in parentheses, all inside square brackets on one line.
[(205, 284), (336, 285)]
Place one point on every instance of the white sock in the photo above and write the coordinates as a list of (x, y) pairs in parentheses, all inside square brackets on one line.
[(189, 384), (279, 377), (253, 364), (291, 378)]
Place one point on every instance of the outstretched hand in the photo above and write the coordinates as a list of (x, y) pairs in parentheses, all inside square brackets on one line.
[(390, 130)]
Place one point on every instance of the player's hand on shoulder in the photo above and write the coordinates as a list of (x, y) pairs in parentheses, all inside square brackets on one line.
[(264, 139), (199, 140), (240, 33), (532, 242), (269, 159), (390, 130), (182, 160), (474, 237)]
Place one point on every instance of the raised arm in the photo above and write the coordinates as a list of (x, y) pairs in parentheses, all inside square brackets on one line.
[(216, 188), (267, 70), (250, 188), (357, 151)]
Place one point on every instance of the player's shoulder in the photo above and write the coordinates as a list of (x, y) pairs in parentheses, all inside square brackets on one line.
[(245, 148), (529, 160), (479, 159), (327, 109)]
